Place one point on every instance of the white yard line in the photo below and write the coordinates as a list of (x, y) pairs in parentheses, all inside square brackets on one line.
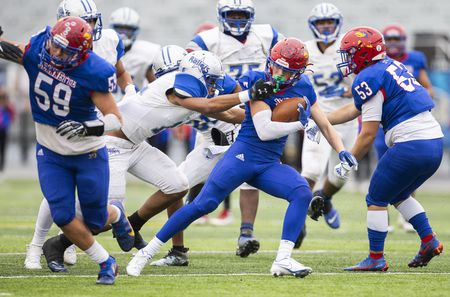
[(221, 274)]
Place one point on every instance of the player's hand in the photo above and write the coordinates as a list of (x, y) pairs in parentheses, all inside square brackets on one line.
[(313, 132), (71, 129), (304, 113), (348, 163), (1, 31), (261, 90)]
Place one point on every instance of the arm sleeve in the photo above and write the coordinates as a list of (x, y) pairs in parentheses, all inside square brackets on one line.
[(188, 86), (268, 130), (373, 109), (120, 48)]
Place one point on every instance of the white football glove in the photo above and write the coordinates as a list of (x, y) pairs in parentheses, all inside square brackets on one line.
[(342, 170), (313, 132)]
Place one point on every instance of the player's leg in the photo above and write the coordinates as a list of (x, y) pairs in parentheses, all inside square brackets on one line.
[(44, 222), (92, 181), (248, 202), (402, 169), (332, 184), (229, 173), (196, 167), (314, 162), (413, 211), (285, 182), (153, 166)]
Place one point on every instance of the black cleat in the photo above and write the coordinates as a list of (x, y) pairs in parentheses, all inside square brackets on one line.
[(300, 238), (53, 251), (316, 207), (247, 245)]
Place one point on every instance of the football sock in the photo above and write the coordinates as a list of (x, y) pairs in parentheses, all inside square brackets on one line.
[(136, 221), (246, 229), (118, 213), (295, 216), (377, 225), (226, 203), (44, 222), (180, 248), (376, 256), (414, 213), (284, 250), (152, 247), (97, 253), (179, 221)]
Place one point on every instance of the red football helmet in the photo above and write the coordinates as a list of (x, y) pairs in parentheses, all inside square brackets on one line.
[(395, 38), (291, 56), (68, 42), (360, 48), (204, 27)]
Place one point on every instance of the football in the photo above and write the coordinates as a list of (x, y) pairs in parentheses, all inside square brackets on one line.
[(286, 111)]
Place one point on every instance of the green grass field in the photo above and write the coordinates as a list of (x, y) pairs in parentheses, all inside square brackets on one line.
[(214, 270)]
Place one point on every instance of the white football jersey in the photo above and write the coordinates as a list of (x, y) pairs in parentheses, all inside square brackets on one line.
[(149, 112), (237, 57), (204, 124), (106, 46), (138, 59), (325, 77)]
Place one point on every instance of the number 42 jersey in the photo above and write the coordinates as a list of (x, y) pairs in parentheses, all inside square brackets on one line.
[(57, 95)]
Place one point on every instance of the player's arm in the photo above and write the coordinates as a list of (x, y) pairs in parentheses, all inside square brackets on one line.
[(11, 51), (265, 127), (424, 80), (149, 75), (326, 128), (233, 115), (344, 114), (124, 79), (371, 116), (208, 106)]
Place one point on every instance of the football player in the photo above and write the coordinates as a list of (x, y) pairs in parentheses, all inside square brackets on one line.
[(208, 151), (67, 82), (333, 91), (241, 46), (139, 54), (386, 92), (416, 63), (108, 45), (255, 158)]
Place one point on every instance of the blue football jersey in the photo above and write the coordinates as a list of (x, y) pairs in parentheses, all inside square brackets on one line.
[(58, 95), (414, 62), (248, 134), (404, 97)]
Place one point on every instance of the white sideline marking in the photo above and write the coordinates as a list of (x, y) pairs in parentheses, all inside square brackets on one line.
[(223, 274), (226, 252)]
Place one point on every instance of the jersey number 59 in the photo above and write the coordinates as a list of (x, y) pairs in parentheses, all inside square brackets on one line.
[(61, 95)]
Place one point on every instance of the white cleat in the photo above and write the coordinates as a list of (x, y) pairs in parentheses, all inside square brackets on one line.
[(289, 266), (137, 263), (33, 257), (70, 255)]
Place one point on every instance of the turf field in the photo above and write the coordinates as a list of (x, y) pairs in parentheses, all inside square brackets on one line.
[(215, 270)]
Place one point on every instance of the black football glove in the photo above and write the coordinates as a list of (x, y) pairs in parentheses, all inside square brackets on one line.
[(72, 129), (261, 90), (219, 137), (1, 31)]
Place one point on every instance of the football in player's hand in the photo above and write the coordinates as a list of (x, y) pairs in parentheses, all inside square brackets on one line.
[(286, 111)]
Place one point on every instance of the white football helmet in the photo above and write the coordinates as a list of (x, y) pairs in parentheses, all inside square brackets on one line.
[(206, 67), (235, 26), (125, 21), (85, 9), (168, 59), (325, 11)]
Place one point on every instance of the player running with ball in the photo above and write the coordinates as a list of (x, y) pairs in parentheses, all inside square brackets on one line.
[(255, 158)]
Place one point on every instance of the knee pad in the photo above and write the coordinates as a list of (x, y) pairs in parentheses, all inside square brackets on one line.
[(95, 217), (301, 193), (179, 183), (62, 216), (206, 205)]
